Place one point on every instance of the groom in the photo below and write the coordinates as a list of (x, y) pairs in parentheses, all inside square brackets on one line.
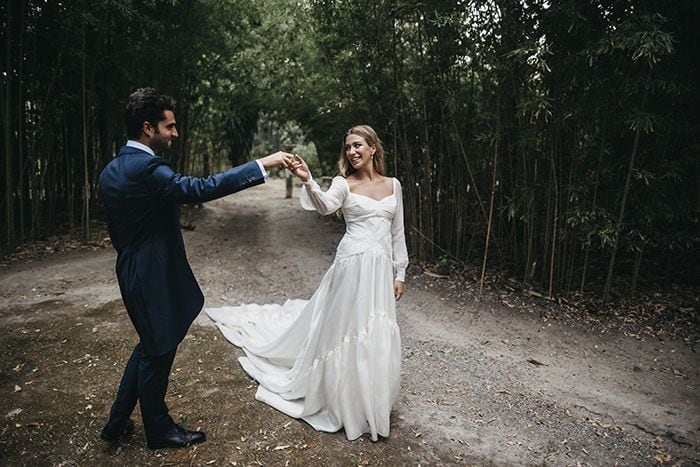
[(142, 194)]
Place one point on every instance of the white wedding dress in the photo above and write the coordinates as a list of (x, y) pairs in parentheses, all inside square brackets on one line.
[(334, 360)]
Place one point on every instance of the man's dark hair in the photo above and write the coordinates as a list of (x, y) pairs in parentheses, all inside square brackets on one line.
[(145, 105)]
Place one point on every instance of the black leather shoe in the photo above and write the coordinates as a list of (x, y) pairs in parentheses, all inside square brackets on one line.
[(111, 435), (177, 437)]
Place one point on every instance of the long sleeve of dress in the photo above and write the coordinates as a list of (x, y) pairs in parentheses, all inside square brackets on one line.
[(314, 199), (398, 236)]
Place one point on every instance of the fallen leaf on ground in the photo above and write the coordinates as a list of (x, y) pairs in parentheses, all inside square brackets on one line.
[(432, 274), (662, 458), (536, 362)]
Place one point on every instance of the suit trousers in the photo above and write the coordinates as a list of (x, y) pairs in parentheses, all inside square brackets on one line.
[(145, 380)]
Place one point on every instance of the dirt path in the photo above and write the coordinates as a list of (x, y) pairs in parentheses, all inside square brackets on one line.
[(482, 385)]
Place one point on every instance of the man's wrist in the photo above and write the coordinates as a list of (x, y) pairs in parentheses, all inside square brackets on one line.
[(262, 168)]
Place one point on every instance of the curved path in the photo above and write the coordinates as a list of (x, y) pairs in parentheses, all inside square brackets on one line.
[(482, 385)]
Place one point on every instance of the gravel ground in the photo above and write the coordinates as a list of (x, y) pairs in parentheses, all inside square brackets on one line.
[(482, 383)]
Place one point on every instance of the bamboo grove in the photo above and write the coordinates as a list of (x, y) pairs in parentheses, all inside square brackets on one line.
[(556, 142)]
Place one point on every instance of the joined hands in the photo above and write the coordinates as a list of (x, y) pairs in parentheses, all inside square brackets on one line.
[(291, 162), (300, 169), (279, 159)]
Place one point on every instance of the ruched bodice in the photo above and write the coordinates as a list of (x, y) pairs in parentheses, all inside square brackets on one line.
[(370, 223), (368, 226)]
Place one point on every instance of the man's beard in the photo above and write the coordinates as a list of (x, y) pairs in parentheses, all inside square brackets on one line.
[(159, 145)]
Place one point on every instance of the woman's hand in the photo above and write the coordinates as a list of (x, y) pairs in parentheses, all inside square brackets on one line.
[(399, 289), (278, 159), (300, 169)]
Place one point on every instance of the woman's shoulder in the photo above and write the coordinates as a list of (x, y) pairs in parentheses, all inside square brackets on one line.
[(340, 181)]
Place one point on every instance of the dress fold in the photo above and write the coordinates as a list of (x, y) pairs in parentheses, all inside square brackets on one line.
[(333, 360)]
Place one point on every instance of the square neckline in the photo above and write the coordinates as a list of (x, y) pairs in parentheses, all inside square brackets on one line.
[(393, 191)]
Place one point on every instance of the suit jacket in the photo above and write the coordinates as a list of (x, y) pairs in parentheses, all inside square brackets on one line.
[(142, 194)]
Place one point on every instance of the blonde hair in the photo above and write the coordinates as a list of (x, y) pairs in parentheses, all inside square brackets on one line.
[(370, 136)]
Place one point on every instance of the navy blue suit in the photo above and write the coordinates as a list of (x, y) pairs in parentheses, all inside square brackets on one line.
[(141, 195)]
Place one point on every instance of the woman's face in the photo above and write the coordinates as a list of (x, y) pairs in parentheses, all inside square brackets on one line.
[(358, 152)]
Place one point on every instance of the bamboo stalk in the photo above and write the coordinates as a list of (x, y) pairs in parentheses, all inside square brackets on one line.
[(86, 181), (594, 204), (20, 127), (621, 215), (490, 219), (7, 109), (637, 267), (555, 222)]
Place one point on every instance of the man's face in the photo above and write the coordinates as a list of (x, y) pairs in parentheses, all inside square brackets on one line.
[(161, 137)]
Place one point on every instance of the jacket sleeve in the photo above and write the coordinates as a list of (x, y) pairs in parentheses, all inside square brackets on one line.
[(162, 181)]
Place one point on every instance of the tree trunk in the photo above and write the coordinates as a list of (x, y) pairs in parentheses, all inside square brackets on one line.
[(490, 219), (555, 224), (621, 215), (593, 207), (637, 267), (86, 169), (20, 127), (7, 126)]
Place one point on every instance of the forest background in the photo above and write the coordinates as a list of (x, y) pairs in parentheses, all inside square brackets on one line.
[(552, 143)]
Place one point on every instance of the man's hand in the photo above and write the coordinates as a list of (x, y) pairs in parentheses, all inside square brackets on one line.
[(278, 159), (399, 289), (300, 169)]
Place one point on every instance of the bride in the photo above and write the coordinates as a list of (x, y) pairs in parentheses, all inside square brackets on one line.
[(335, 360)]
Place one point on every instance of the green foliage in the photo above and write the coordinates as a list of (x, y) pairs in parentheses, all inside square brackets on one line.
[(586, 110)]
